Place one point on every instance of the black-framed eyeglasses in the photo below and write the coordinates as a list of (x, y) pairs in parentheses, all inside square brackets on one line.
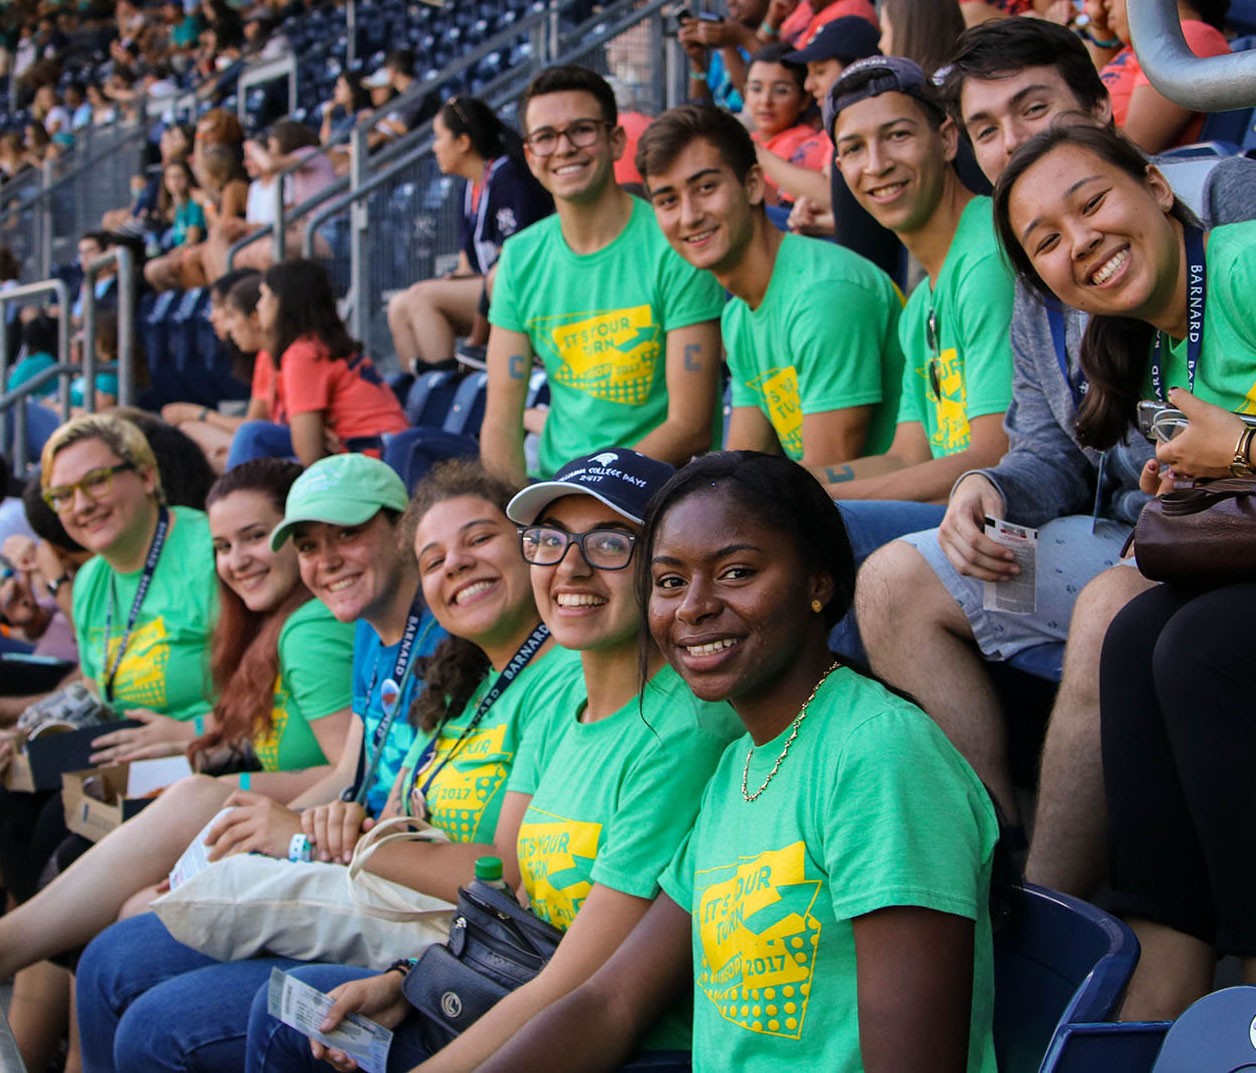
[(581, 133), (95, 484), (933, 338), (603, 549)]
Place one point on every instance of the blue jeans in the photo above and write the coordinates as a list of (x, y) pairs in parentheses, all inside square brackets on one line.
[(276, 1048), (147, 1002), (259, 439), (273, 1047), (871, 524)]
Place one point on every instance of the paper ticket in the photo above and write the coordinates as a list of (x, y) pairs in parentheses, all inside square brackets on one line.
[(300, 1006), (196, 857), (1016, 595)]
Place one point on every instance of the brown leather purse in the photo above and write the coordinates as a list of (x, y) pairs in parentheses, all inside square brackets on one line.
[(1200, 537)]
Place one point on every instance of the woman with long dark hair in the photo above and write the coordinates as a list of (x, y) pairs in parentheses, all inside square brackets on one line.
[(321, 391), (500, 198)]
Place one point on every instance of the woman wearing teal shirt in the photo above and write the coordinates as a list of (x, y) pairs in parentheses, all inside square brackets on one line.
[(829, 909)]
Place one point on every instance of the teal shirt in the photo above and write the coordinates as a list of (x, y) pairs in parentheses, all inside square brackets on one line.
[(971, 306), (871, 808)]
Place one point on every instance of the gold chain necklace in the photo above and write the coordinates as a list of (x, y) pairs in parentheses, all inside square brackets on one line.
[(802, 714)]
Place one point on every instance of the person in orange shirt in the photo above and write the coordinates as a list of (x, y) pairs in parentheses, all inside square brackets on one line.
[(778, 106)]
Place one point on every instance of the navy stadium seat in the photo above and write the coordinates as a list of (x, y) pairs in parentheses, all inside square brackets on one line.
[(1215, 1035), (466, 412), (416, 450), (1057, 961), (429, 398)]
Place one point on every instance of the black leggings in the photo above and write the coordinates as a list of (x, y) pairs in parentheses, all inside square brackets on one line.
[(1178, 690)]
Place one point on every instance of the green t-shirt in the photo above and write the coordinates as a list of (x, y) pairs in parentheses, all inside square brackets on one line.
[(465, 798), (614, 800), (599, 322), (825, 337), (972, 308), (315, 680), (1226, 374), (165, 666), (872, 808)]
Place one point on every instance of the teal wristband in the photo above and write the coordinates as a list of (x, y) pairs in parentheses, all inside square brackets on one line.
[(246, 779), (198, 726)]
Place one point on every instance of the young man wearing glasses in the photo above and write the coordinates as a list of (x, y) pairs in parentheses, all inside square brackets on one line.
[(811, 329), (626, 330), (894, 146)]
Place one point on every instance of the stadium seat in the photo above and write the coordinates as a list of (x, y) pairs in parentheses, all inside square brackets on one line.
[(416, 450), (163, 375), (1216, 1035), (429, 398), (1057, 960), (466, 412)]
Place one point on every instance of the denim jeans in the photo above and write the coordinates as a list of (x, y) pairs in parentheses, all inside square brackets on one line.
[(276, 1048), (871, 524), (259, 439), (147, 1002)]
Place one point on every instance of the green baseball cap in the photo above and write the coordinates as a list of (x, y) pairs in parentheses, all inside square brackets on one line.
[(346, 489)]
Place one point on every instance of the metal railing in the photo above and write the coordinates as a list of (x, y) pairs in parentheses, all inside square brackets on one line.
[(400, 221), (68, 197), (1215, 84), (13, 403), (120, 258)]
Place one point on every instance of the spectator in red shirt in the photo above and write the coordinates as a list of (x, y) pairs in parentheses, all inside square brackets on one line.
[(323, 394)]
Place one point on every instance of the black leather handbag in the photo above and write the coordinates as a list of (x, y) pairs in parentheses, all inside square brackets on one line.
[(494, 947)]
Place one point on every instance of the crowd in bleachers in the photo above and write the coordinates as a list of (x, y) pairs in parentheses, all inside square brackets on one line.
[(849, 379)]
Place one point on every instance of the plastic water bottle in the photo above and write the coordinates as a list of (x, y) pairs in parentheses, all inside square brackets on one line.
[(488, 871)]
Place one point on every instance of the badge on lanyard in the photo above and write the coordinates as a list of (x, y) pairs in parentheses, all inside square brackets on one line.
[(389, 694)]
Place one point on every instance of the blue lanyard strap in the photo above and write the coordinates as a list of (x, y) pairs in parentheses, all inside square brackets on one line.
[(525, 654), (141, 590), (1196, 296), (411, 642), (1077, 383)]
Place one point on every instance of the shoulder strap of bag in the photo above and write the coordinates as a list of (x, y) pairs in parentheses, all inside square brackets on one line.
[(380, 897)]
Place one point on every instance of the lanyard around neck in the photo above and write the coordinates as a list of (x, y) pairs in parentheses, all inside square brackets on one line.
[(393, 688), (1196, 295), (141, 590), (522, 657)]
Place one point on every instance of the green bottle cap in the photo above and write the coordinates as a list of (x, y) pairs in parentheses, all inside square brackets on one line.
[(488, 869)]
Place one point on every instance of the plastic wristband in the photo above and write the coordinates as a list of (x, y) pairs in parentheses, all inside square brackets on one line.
[(198, 726), (1114, 42), (768, 30), (246, 780), (300, 849), (697, 73)]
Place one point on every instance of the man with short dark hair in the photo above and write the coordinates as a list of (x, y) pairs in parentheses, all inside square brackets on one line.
[(895, 148), (920, 604), (628, 332), (811, 329)]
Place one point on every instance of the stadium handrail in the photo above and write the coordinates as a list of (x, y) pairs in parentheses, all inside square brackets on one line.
[(1215, 84), (124, 260), (13, 403)]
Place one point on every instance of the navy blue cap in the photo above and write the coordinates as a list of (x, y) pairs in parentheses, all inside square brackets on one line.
[(848, 39), (621, 478)]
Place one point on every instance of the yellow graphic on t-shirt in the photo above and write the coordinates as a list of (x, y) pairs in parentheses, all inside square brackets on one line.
[(758, 939), (266, 743), (556, 858), (141, 678), (950, 403), (462, 787), (1249, 403), (779, 388), (611, 356)]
